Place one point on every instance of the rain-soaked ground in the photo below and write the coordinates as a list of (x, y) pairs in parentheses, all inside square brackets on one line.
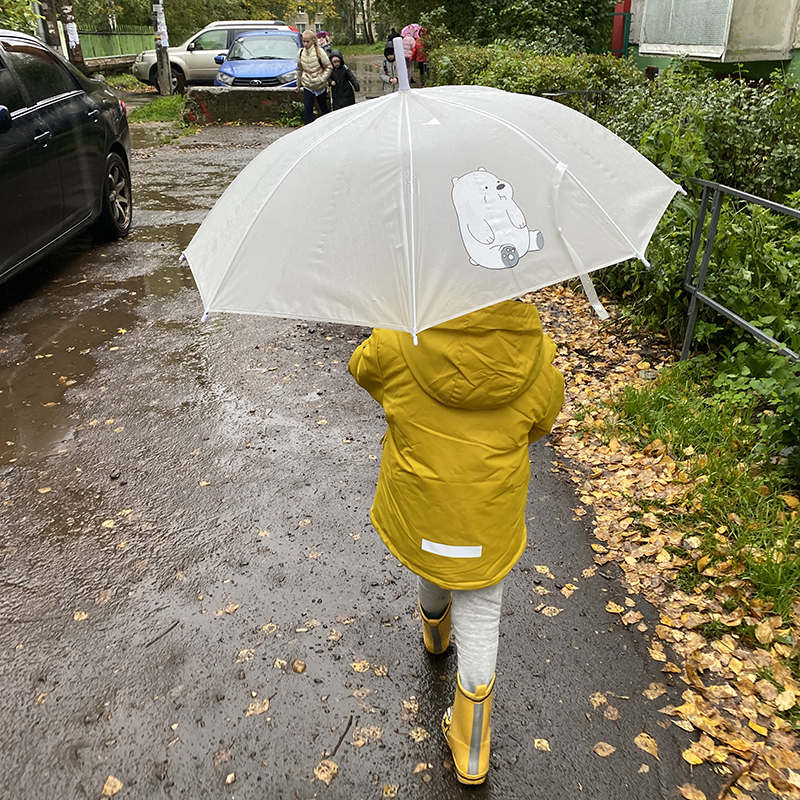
[(192, 599)]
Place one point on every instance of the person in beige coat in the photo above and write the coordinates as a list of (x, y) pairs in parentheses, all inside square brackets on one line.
[(313, 70)]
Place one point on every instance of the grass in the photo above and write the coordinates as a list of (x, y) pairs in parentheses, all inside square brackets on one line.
[(162, 109), (128, 83), (738, 504)]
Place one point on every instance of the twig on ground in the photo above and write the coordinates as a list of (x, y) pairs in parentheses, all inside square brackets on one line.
[(728, 785)]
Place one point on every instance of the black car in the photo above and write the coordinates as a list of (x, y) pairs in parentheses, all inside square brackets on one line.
[(65, 152)]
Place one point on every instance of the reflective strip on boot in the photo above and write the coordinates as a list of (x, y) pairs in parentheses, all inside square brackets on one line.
[(467, 730), (436, 632)]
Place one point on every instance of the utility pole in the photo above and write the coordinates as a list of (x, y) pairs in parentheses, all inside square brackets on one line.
[(50, 25), (71, 29), (162, 51)]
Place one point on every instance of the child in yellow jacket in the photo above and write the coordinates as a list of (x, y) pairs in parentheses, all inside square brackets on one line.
[(461, 407)]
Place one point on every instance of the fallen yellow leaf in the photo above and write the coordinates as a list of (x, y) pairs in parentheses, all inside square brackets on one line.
[(326, 770), (419, 734), (45, 490), (542, 744), (790, 500), (758, 728), (597, 699), (78, 616), (360, 666), (257, 707), (111, 786), (690, 792), (644, 741), (614, 608), (604, 749)]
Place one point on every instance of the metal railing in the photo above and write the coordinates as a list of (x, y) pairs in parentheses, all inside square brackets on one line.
[(715, 194)]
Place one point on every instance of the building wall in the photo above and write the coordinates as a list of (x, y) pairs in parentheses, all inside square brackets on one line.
[(764, 36), (761, 31)]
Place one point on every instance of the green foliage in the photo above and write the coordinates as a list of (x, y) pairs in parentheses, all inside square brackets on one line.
[(719, 435), (162, 109), (18, 15), (528, 72), (731, 131)]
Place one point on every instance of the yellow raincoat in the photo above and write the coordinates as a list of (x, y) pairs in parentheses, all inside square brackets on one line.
[(461, 407)]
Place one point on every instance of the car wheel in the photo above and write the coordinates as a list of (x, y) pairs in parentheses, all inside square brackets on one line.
[(117, 214)]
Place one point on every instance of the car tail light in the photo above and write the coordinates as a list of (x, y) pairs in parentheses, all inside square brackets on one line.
[(123, 108)]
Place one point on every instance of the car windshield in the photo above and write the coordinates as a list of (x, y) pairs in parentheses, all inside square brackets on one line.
[(256, 47)]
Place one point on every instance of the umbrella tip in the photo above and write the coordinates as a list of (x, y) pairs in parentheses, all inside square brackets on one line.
[(205, 316), (182, 258), (644, 261)]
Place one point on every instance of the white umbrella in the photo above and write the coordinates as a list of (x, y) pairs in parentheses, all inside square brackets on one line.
[(418, 207)]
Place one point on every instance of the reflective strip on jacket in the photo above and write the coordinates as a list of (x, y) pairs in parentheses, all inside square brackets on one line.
[(461, 409)]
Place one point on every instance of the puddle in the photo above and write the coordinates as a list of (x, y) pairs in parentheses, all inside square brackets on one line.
[(35, 418), (179, 235), (368, 75), (157, 200), (152, 134)]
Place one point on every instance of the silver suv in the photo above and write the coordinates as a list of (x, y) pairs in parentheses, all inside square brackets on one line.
[(194, 59)]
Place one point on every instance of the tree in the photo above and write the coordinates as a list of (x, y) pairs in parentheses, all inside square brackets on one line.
[(18, 15)]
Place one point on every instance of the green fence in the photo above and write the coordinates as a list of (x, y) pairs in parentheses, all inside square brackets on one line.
[(127, 40)]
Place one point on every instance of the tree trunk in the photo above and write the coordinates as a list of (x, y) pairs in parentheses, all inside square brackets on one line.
[(367, 22), (51, 36), (162, 53), (71, 29)]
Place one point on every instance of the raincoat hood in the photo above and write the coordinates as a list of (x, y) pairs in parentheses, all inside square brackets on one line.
[(482, 360), (337, 54)]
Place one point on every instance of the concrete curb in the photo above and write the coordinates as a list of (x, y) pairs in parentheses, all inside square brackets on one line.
[(206, 105)]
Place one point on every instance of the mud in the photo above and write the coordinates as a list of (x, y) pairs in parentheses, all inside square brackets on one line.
[(184, 514)]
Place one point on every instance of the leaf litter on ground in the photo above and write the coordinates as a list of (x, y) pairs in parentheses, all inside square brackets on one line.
[(740, 690)]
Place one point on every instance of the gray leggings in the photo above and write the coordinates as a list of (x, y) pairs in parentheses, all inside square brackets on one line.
[(476, 626)]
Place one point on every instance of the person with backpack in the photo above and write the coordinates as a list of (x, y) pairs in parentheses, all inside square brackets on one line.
[(313, 70), (388, 71), (342, 81)]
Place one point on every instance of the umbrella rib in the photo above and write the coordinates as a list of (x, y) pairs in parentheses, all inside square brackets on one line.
[(412, 232), (556, 160), (370, 108)]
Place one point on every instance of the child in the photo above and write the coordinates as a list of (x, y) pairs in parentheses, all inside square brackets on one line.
[(409, 40), (419, 56), (461, 409), (389, 71), (343, 82), (313, 71)]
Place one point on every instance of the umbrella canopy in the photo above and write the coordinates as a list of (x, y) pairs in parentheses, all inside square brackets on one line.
[(411, 30), (434, 203)]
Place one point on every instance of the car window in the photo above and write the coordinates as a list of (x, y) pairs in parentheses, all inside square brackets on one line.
[(212, 40), (263, 47), (10, 95), (38, 70)]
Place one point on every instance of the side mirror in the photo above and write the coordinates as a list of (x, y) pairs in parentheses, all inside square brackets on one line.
[(190, 46), (5, 120), (220, 58)]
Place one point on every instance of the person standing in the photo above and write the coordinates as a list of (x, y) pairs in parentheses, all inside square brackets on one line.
[(313, 70), (343, 82), (420, 57), (389, 71), (409, 40), (461, 407)]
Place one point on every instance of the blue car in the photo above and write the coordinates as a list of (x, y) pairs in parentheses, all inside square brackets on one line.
[(260, 59)]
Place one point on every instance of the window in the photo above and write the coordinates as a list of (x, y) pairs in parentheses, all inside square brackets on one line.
[(41, 73), (10, 95), (699, 27), (212, 40)]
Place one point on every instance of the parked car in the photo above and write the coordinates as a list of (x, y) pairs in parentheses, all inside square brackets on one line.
[(194, 59), (65, 152), (260, 58)]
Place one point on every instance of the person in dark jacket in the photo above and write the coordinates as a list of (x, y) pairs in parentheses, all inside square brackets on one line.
[(342, 81)]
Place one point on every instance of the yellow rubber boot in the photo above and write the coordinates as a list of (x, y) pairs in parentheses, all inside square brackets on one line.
[(436, 632), (466, 726)]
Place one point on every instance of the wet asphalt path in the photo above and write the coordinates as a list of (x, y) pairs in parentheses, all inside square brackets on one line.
[(184, 514)]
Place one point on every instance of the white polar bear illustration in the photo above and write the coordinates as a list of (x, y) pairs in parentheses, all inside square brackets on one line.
[(492, 225)]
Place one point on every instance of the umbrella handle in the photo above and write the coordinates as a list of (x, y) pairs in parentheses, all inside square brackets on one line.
[(400, 60)]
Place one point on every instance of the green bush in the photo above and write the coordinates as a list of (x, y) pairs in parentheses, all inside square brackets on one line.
[(525, 71), (732, 131)]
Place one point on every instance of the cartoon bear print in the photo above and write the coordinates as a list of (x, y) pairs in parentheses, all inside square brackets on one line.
[(492, 225)]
